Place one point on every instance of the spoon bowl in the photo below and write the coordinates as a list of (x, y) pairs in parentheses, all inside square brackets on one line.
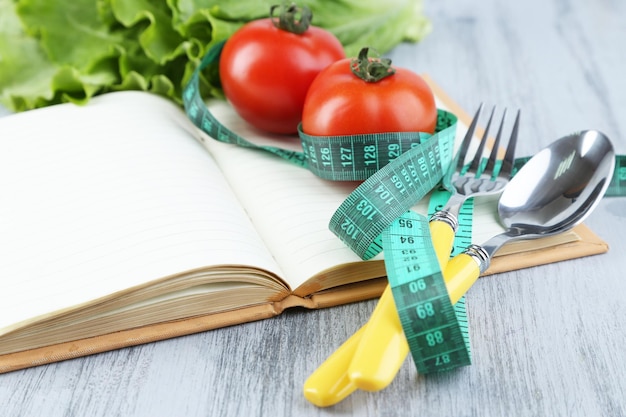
[(556, 189)]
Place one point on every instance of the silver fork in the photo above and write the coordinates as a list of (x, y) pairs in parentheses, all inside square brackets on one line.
[(475, 180)]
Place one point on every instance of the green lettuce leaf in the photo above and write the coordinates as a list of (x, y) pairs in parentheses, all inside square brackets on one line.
[(70, 33), (377, 24), (54, 51), (159, 40), (25, 71)]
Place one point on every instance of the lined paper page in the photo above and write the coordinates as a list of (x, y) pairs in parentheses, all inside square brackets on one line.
[(112, 195), (289, 206)]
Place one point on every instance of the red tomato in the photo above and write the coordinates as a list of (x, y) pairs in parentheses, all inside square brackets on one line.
[(341, 103), (266, 72)]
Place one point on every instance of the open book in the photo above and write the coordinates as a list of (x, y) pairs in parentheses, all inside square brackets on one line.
[(121, 224)]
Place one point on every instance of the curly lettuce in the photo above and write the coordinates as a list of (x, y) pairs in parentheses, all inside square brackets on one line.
[(54, 51)]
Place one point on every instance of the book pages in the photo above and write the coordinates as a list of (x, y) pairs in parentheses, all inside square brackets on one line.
[(106, 197)]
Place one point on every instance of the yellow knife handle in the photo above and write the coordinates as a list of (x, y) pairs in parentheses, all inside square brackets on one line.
[(382, 349), (330, 383)]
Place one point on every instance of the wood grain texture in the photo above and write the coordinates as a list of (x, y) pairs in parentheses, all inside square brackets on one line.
[(547, 341)]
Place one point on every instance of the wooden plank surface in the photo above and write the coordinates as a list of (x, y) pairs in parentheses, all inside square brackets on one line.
[(547, 341)]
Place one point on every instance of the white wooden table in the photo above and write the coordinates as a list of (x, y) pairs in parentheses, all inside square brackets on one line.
[(547, 341)]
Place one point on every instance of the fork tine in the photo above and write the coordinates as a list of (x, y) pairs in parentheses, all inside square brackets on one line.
[(493, 156), (462, 152), (479, 152), (509, 156)]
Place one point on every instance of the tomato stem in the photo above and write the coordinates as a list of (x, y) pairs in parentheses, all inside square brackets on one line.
[(292, 18), (371, 69)]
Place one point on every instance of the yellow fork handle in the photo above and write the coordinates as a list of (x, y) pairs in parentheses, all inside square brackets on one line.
[(442, 237)]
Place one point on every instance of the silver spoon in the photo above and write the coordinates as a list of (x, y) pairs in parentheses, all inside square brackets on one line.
[(555, 190)]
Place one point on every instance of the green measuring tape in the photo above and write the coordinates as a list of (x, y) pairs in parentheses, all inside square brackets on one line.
[(374, 217), (398, 170), (436, 331), (391, 191)]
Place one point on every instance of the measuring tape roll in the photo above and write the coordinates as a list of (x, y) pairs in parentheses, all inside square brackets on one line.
[(337, 158), (398, 170)]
